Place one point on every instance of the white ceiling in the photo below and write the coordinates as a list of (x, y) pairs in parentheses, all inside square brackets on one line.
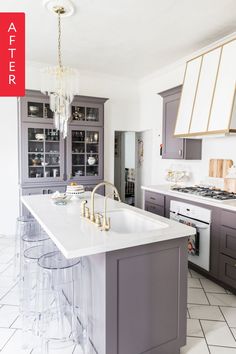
[(125, 37)]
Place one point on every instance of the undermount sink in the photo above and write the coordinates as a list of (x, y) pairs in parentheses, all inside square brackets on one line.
[(127, 222)]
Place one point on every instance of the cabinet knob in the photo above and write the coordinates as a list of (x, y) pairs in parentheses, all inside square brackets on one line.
[(180, 152)]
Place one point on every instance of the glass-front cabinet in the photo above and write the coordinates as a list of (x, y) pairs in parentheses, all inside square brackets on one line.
[(87, 113), (49, 162), (43, 154), (86, 153)]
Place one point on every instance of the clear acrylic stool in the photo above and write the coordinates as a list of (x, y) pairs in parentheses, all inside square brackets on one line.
[(28, 286), (23, 225), (57, 289)]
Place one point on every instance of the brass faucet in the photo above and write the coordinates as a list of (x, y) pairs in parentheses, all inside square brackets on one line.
[(96, 218)]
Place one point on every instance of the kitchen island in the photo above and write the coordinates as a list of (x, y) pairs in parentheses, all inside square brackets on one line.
[(137, 273)]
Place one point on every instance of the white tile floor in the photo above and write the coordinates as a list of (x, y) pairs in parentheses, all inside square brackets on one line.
[(211, 324)]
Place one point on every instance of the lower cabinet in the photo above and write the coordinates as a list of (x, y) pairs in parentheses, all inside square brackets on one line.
[(222, 240), (227, 271), (155, 203), (155, 209), (227, 259)]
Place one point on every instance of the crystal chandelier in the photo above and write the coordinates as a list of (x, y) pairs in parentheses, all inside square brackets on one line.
[(60, 83)]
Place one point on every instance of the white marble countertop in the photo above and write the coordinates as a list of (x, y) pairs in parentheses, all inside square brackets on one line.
[(77, 237), (166, 189)]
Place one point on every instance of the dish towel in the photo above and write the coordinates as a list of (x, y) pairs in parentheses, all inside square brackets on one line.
[(193, 240)]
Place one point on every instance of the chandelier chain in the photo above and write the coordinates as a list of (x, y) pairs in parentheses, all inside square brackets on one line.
[(59, 40)]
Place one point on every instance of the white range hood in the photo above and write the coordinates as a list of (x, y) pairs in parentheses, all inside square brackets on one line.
[(208, 104)]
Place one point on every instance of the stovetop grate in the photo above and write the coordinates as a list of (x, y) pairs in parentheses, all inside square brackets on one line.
[(207, 192)]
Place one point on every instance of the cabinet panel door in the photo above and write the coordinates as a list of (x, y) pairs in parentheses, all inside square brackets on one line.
[(188, 96), (205, 91), (225, 89), (87, 113), (155, 209), (155, 198), (36, 109), (173, 148), (228, 241), (42, 153), (85, 153), (228, 270)]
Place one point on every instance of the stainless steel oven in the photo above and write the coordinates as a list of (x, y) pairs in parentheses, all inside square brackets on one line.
[(200, 218)]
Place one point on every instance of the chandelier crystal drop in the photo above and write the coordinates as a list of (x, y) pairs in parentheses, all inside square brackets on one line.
[(60, 83)]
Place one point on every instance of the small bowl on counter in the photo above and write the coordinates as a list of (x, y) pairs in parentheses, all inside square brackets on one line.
[(59, 198)]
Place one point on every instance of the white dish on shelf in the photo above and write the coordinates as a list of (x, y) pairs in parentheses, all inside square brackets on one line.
[(40, 136)]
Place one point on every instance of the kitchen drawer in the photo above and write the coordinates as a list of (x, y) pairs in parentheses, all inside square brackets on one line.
[(228, 270), (228, 219), (228, 241), (155, 198), (155, 209)]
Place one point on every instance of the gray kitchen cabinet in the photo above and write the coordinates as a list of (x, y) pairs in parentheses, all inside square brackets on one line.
[(141, 299), (34, 108), (155, 203), (227, 259), (227, 272), (176, 148), (42, 154), (222, 242), (84, 153), (46, 159), (155, 209), (88, 111)]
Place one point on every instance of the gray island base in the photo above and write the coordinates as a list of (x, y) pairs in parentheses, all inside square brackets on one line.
[(136, 281), (139, 299)]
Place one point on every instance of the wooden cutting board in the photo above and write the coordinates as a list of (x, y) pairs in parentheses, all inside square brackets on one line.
[(218, 168), (230, 185)]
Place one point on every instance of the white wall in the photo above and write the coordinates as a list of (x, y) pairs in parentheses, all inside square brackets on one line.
[(129, 150), (9, 200), (151, 117)]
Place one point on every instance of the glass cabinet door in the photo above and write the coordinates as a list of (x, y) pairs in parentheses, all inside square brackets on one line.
[(90, 114), (36, 110), (85, 150), (44, 154)]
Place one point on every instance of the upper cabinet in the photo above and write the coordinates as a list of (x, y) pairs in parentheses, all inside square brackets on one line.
[(207, 100), (172, 147), (87, 112)]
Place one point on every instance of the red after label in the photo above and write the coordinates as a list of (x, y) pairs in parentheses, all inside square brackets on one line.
[(12, 54)]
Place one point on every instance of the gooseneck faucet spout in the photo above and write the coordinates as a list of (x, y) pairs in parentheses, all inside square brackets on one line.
[(104, 183)]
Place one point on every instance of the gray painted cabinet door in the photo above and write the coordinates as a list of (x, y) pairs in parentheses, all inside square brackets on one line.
[(173, 148), (84, 153), (42, 154), (176, 148)]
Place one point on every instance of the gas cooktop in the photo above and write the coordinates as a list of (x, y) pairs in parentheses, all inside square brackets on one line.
[(207, 192)]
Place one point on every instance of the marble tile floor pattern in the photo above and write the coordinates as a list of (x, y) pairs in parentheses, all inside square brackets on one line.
[(211, 322)]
